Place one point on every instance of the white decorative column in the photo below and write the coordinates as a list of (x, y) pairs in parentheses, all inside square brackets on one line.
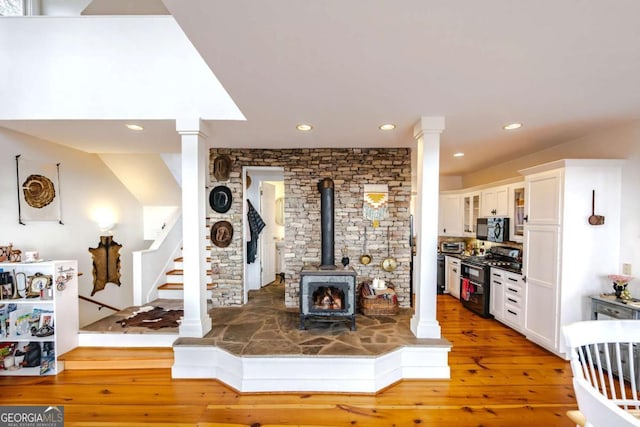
[(195, 165), (427, 134)]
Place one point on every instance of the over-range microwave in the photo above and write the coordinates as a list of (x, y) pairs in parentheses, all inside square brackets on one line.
[(493, 229)]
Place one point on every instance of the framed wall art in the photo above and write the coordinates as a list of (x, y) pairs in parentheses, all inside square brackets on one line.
[(38, 191)]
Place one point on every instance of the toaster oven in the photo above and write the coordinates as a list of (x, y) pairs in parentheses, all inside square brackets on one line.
[(452, 247)]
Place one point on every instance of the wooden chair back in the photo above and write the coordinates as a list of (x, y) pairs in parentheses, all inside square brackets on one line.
[(604, 361)]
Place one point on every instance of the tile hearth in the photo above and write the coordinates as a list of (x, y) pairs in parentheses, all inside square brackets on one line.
[(265, 326)]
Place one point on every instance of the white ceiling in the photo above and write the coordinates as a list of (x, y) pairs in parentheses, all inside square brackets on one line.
[(563, 68)]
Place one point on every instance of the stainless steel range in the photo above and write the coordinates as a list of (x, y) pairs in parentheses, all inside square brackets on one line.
[(475, 291)]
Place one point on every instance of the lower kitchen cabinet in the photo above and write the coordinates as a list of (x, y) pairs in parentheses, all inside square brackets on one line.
[(452, 265), (496, 306), (514, 301), (508, 298)]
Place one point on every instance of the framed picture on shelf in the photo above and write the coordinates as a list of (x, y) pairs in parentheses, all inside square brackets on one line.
[(46, 319), (37, 284)]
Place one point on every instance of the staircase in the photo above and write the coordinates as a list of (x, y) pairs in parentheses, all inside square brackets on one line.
[(174, 286)]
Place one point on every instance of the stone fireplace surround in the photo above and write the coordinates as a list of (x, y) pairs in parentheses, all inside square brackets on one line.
[(349, 169)]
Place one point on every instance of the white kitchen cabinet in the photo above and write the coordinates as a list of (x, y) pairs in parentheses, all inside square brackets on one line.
[(565, 259), (514, 301), (494, 201), (39, 321), (452, 278), (516, 212), (507, 298), (496, 305), (544, 198), (450, 215), (470, 213)]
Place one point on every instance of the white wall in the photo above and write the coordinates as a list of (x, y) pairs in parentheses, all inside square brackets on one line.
[(85, 184)]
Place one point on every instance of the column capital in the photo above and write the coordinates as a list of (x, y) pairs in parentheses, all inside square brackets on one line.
[(428, 125), (192, 126)]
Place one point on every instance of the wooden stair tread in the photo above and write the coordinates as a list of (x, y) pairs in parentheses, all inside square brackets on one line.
[(180, 286), (181, 259), (177, 271), (117, 358)]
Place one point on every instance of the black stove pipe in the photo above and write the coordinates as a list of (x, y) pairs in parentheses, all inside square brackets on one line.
[(325, 187)]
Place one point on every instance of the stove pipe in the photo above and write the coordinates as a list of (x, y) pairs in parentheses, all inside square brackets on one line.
[(325, 187)]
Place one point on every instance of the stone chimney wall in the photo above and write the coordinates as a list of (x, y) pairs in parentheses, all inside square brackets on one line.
[(350, 170)]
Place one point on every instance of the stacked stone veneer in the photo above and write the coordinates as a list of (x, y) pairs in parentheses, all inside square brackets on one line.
[(349, 169)]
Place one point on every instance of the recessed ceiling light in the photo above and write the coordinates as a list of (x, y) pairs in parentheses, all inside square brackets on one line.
[(303, 127), (387, 126), (512, 126), (132, 126), (458, 154)]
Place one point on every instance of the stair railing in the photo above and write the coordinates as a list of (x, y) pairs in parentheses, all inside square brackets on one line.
[(98, 303)]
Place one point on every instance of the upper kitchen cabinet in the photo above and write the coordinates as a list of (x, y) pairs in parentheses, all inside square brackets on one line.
[(494, 201), (450, 215), (544, 192), (516, 211), (565, 259), (470, 213)]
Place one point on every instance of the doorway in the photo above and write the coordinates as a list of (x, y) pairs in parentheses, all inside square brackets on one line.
[(264, 190)]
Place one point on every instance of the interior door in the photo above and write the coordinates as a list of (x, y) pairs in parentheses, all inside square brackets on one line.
[(267, 239)]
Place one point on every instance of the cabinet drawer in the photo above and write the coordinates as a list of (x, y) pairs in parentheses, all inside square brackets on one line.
[(515, 289), (513, 301), (611, 311), (513, 315), (497, 274)]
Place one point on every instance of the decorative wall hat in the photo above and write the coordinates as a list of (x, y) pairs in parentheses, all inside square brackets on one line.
[(222, 167), (220, 199), (222, 233)]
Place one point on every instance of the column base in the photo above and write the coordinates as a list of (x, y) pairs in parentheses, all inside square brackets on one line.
[(425, 328), (195, 328)]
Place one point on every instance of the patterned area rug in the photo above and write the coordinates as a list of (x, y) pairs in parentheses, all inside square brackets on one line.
[(153, 318)]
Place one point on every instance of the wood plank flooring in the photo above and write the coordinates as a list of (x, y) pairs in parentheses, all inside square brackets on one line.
[(498, 378)]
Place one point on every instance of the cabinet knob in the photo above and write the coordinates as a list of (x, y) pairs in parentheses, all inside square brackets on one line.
[(526, 218), (524, 279)]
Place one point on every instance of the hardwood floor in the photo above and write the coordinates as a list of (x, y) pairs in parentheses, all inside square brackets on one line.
[(498, 378)]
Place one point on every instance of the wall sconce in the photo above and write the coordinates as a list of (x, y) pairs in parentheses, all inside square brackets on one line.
[(105, 228), (105, 219)]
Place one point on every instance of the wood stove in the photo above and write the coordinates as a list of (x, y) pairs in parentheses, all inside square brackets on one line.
[(325, 290), (330, 295)]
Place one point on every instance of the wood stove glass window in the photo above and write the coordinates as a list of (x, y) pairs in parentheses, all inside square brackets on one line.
[(328, 297)]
